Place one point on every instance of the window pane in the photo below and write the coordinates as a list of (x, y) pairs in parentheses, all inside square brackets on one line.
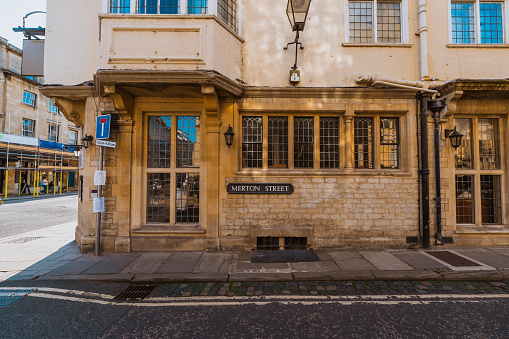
[(463, 157), (464, 199), (187, 199), (389, 143), (188, 142), (227, 12), (29, 98), (361, 16), (491, 22), (158, 198), (388, 22), (329, 142), (169, 7), (363, 142), (196, 6), (491, 199), (252, 138), (120, 6), (159, 141), (462, 16), (28, 128), (488, 144), (53, 133), (147, 6), (278, 142), (304, 142), (73, 137)]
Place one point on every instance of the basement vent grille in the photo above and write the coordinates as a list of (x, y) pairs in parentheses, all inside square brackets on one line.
[(135, 292)]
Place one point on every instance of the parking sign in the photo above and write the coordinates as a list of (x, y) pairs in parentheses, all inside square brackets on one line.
[(102, 129)]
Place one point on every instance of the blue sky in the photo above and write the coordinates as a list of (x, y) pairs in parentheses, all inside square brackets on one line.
[(12, 16)]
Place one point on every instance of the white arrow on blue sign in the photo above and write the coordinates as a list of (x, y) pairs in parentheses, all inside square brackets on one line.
[(102, 129)]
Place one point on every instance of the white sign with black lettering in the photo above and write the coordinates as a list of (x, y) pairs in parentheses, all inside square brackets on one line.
[(98, 205), (100, 178), (105, 143)]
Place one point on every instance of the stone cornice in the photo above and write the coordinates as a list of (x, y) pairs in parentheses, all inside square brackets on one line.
[(140, 77), (329, 92), (475, 85), (75, 93)]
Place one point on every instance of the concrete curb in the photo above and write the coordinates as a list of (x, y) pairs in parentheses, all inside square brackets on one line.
[(472, 276), (505, 274), (119, 277), (179, 277), (406, 275)]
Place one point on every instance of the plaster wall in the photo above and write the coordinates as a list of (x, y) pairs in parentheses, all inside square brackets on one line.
[(72, 41)]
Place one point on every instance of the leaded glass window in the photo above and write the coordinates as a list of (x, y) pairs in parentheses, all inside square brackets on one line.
[(196, 6), (383, 26), (120, 6), (388, 22), (329, 142), (480, 22), (463, 157), (159, 141), (158, 198), (28, 128), (188, 142), (363, 142), (389, 143), (187, 201), (465, 199), (278, 142), (158, 6), (488, 144), (252, 139), (491, 22), (462, 16), (227, 12), (303, 142)]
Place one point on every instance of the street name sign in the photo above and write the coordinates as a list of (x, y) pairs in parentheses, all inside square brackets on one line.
[(106, 143), (260, 188), (102, 127)]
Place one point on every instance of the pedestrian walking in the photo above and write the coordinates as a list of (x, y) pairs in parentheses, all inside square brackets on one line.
[(45, 185)]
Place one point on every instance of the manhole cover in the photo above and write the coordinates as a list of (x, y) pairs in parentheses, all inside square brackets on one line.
[(452, 259), (135, 292), (283, 256), (21, 240)]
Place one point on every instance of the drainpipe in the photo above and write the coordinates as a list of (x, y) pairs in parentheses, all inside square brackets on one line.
[(436, 106), (424, 171), (423, 34)]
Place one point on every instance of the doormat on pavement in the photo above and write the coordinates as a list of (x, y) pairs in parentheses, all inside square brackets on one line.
[(452, 259), (21, 240), (283, 256)]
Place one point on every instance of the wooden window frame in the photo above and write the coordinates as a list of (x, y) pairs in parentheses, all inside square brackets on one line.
[(172, 170)]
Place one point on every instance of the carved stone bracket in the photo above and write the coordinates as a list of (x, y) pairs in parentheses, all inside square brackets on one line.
[(211, 101), (451, 101), (125, 126), (122, 101), (73, 110)]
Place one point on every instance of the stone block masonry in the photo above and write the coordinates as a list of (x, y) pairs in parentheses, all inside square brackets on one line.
[(334, 211)]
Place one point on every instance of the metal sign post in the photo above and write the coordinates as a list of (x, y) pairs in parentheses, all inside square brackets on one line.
[(98, 216)]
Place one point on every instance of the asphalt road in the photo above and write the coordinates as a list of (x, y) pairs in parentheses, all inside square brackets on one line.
[(86, 310), (20, 216)]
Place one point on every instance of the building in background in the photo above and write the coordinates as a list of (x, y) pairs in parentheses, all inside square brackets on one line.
[(342, 154), (32, 133)]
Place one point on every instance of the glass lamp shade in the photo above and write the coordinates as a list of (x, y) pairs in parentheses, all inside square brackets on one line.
[(297, 11), (228, 136), (455, 138)]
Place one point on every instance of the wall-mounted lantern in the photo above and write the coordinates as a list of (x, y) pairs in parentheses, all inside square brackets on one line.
[(228, 136), (454, 136), (297, 12), (85, 143)]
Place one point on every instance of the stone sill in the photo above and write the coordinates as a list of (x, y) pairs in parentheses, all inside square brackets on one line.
[(164, 229), (477, 45), (320, 173), (356, 44), (498, 229)]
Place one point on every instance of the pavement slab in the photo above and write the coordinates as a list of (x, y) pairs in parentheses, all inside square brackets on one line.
[(406, 275), (487, 257), (472, 275), (146, 263), (77, 266), (419, 261), (351, 261), (180, 262), (179, 277), (307, 267), (213, 262), (260, 277), (112, 264), (385, 261)]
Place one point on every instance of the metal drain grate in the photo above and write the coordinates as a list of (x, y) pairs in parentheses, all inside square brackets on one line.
[(452, 259), (135, 292), (22, 240), (283, 256), (7, 297)]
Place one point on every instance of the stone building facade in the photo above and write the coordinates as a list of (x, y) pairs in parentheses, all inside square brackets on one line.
[(349, 149), (26, 117)]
